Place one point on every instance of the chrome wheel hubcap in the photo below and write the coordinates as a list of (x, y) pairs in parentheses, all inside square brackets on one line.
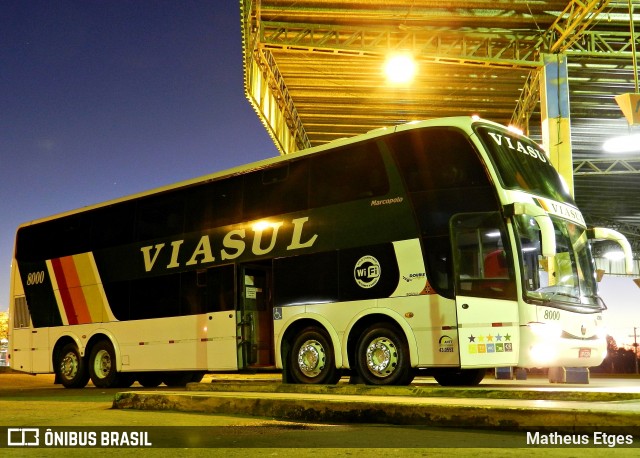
[(382, 357), (69, 366), (311, 358)]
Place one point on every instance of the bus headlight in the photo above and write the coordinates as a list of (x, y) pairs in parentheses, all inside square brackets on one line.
[(545, 331), (543, 353), (545, 344)]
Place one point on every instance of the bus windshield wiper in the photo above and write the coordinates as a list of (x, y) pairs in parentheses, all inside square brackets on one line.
[(563, 294)]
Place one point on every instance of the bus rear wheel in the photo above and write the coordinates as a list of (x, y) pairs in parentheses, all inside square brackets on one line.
[(150, 379), (459, 377), (102, 365), (311, 359), (71, 367), (382, 357)]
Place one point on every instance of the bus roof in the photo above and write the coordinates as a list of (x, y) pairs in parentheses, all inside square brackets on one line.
[(462, 122)]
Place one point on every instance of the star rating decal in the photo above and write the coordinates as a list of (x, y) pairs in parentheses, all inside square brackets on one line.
[(490, 343)]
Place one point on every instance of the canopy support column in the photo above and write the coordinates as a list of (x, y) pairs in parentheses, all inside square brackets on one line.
[(554, 112)]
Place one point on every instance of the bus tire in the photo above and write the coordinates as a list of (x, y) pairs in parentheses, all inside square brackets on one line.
[(71, 367), (382, 356), (311, 359), (125, 379), (177, 378), (150, 379), (197, 376), (102, 365), (459, 377)]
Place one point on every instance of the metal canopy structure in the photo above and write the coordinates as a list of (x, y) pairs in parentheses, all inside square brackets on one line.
[(314, 72)]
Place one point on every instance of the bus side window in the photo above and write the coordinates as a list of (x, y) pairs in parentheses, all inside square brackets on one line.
[(306, 279), (113, 225), (347, 174), (160, 216), (208, 290), (276, 190), (220, 288), (53, 239), (495, 264), (482, 266), (216, 204), (438, 259)]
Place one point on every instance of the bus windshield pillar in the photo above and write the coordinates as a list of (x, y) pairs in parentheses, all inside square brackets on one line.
[(544, 222)]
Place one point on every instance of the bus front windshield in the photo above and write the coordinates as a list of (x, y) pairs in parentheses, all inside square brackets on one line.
[(522, 165), (566, 280)]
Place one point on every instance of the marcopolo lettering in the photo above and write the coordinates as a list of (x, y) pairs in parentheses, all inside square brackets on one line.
[(517, 145), (395, 200), (234, 243)]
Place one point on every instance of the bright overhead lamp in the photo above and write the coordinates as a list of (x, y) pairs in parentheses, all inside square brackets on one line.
[(400, 68), (623, 144)]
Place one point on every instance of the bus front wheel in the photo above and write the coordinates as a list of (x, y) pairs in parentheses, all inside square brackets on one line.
[(71, 367), (312, 359), (382, 356)]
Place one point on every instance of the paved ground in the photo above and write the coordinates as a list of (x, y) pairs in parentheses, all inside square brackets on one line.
[(606, 404), (264, 413)]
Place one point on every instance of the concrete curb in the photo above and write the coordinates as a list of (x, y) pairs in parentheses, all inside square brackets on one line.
[(416, 391), (476, 414)]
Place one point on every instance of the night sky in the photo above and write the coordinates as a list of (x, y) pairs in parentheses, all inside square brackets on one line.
[(102, 99)]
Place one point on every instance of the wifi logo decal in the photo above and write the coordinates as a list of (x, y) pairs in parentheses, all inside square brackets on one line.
[(367, 272)]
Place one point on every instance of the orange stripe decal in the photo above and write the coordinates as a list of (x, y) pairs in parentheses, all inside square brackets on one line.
[(74, 291), (89, 282), (65, 298)]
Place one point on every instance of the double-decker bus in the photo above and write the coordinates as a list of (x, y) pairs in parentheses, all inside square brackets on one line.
[(451, 245)]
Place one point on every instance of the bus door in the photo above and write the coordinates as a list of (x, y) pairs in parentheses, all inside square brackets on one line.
[(486, 298), (255, 322)]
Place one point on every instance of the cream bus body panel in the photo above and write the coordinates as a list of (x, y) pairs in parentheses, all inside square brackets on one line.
[(30, 351), (195, 342)]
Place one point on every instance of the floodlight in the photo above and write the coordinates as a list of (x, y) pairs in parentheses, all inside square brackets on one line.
[(400, 68), (623, 144)]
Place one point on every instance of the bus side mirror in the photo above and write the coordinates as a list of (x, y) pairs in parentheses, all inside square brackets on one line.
[(603, 233), (547, 232)]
